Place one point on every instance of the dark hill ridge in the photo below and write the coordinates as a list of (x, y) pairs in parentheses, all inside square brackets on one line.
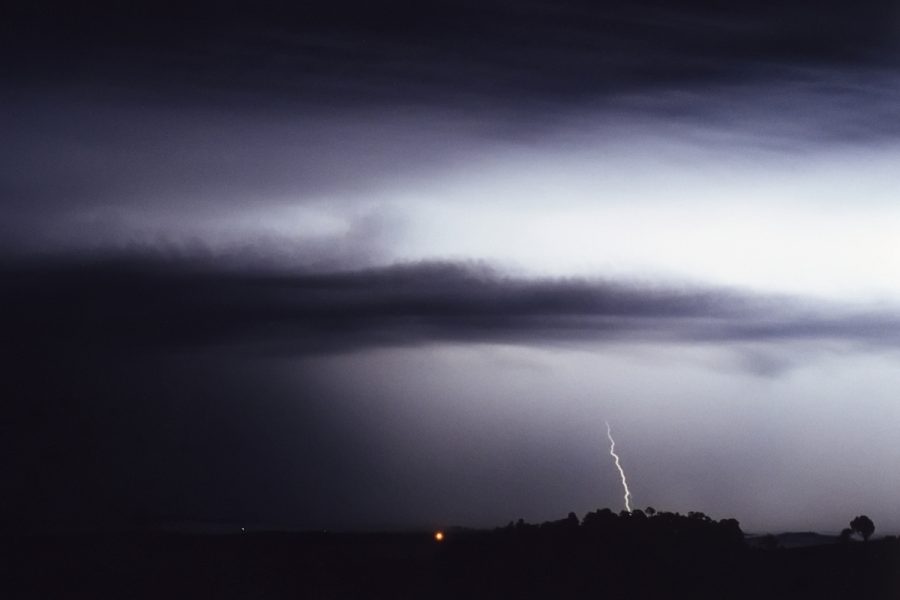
[(604, 555), (792, 539)]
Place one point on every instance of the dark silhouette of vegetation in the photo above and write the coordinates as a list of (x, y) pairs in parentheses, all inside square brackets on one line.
[(864, 526), (663, 529), (641, 554)]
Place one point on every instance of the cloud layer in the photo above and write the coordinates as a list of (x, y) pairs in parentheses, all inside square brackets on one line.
[(153, 304), (355, 51)]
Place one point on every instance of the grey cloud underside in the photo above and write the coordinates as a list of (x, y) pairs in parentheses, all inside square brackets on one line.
[(151, 305)]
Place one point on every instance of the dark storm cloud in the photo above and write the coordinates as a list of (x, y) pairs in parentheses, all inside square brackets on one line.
[(167, 115), (163, 306), (402, 49)]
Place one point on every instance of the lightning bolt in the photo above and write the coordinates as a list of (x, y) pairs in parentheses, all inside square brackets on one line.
[(612, 452)]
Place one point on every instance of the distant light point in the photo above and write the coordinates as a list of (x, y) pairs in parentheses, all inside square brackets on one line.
[(439, 536)]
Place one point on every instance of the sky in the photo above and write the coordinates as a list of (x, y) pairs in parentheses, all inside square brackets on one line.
[(393, 265)]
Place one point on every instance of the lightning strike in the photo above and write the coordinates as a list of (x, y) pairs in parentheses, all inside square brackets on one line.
[(612, 452)]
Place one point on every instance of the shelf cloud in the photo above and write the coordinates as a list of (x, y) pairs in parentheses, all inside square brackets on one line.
[(169, 305)]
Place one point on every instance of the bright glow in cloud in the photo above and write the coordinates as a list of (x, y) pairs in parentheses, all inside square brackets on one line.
[(822, 225), (755, 199)]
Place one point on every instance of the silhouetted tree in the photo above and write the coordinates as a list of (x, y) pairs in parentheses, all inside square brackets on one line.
[(844, 538), (650, 511), (569, 524), (599, 520), (730, 531), (864, 526)]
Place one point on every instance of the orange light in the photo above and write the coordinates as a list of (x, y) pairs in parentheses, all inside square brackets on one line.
[(439, 536)]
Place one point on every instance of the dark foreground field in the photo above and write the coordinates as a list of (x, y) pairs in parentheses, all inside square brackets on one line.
[(464, 565)]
